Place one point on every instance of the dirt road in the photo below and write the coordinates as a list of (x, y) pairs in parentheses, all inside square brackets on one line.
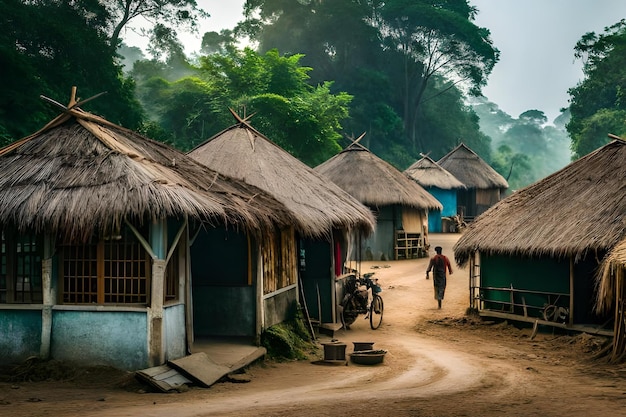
[(439, 363)]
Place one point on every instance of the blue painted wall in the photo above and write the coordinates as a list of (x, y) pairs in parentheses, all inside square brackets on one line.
[(112, 338), (20, 335), (174, 324), (448, 199)]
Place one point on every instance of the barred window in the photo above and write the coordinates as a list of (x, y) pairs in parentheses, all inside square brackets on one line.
[(111, 270), (20, 268)]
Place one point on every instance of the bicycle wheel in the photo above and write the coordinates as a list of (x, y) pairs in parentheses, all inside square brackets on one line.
[(376, 312), (349, 312)]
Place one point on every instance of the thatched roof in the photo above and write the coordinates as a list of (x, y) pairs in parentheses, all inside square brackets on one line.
[(428, 173), (612, 270), (81, 174), (318, 205), (579, 209), (471, 169), (375, 182)]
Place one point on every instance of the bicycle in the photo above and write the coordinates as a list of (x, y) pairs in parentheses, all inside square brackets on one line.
[(356, 300)]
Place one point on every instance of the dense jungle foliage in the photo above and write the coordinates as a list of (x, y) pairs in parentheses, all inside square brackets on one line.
[(314, 75)]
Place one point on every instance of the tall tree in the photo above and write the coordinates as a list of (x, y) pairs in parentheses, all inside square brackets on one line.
[(170, 14), (358, 45), (303, 119), (434, 38), (48, 47), (598, 103)]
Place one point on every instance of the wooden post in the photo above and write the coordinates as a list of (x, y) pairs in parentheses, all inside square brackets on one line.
[(571, 291)]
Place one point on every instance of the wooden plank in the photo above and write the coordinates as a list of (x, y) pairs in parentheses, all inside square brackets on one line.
[(201, 368), (163, 378)]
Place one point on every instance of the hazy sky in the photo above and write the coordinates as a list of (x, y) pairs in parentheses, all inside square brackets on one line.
[(536, 40)]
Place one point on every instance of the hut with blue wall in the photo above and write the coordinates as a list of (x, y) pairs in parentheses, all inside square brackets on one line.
[(400, 205), (96, 225), (484, 187), (314, 248), (534, 256), (441, 184)]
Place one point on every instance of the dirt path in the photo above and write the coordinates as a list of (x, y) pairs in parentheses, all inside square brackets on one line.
[(439, 363)]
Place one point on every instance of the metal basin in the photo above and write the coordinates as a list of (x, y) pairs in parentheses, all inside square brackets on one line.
[(368, 357)]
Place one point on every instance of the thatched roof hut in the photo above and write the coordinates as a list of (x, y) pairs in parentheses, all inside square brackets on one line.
[(485, 186), (373, 181), (535, 254), (400, 204), (318, 205), (443, 186), (81, 173), (471, 169), (576, 210), (429, 174)]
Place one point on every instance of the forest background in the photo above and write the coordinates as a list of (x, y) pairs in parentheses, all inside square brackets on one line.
[(314, 75)]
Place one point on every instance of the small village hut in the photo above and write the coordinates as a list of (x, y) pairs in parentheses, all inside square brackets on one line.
[(400, 205), (96, 224), (441, 184), (534, 255), (484, 186), (315, 246)]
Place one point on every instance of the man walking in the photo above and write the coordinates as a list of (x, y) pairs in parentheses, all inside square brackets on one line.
[(439, 264)]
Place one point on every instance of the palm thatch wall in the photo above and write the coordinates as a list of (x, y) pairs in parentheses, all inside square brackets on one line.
[(373, 181), (611, 296), (318, 204), (81, 173), (576, 211), (429, 173)]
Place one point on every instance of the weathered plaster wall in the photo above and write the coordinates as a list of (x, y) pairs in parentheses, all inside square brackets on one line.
[(174, 322), (279, 307), (20, 335), (112, 338)]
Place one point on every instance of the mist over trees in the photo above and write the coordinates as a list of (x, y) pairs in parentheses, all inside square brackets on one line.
[(408, 73)]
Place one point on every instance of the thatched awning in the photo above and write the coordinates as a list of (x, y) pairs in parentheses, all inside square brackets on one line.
[(579, 209), (428, 173), (82, 174), (471, 169), (318, 204), (613, 269), (375, 182)]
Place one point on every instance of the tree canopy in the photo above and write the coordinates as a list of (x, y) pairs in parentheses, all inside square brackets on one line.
[(598, 103)]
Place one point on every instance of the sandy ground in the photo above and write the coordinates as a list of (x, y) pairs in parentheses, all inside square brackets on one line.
[(439, 363)]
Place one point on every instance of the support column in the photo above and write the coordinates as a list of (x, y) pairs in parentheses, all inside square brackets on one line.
[(156, 336), (48, 298)]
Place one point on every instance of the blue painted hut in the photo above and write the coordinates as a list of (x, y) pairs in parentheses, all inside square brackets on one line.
[(534, 256), (96, 225), (441, 184), (483, 185), (401, 205), (315, 247)]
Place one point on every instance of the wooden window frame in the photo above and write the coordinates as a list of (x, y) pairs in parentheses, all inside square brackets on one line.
[(21, 268), (112, 270)]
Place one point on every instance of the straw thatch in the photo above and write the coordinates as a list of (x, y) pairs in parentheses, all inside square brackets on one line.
[(81, 174), (471, 169), (611, 274), (373, 181), (579, 209), (318, 205), (429, 174)]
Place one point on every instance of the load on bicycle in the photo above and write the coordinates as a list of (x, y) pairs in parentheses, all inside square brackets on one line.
[(362, 296)]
